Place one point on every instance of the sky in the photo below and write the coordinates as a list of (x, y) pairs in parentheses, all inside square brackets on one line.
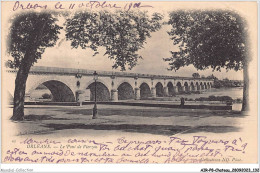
[(156, 48)]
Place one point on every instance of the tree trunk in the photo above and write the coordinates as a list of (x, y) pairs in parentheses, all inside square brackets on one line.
[(19, 92), (245, 106), (23, 72)]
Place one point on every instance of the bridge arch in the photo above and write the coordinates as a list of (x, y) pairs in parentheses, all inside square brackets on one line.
[(205, 85), (208, 85), (99, 80), (170, 88), (61, 90), (125, 91), (179, 86), (141, 81), (192, 86), (125, 81), (145, 91), (201, 86), (103, 93), (186, 85), (159, 89), (197, 85)]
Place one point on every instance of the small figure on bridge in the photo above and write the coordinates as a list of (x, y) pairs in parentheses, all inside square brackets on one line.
[(182, 102)]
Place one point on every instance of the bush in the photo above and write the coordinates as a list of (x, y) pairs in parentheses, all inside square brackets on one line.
[(238, 100), (223, 98), (202, 99), (46, 96), (214, 98), (196, 92)]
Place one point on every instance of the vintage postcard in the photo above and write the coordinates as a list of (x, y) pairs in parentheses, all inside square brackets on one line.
[(116, 82)]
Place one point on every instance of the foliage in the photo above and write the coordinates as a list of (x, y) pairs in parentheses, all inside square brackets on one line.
[(46, 96), (215, 39), (30, 34), (227, 83), (214, 98), (238, 100), (196, 75), (121, 33), (226, 79), (212, 77)]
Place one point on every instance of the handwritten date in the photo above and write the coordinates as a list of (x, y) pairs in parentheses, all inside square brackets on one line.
[(91, 5)]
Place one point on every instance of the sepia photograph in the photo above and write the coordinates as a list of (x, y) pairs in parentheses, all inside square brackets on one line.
[(122, 82)]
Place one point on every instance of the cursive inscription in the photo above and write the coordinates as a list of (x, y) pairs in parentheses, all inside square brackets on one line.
[(79, 5), (32, 141), (173, 149), (28, 6)]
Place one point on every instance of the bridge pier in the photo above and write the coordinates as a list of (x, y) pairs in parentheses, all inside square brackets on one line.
[(137, 94), (114, 95), (153, 92), (198, 88), (166, 91), (195, 88)]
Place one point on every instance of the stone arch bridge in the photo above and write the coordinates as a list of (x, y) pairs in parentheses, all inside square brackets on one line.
[(66, 84)]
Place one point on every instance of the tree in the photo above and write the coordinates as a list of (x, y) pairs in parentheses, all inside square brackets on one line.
[(30, 34), (226, 79), (196, 75), (47, 96), (216, 39), (121, 33), (212, 77)]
